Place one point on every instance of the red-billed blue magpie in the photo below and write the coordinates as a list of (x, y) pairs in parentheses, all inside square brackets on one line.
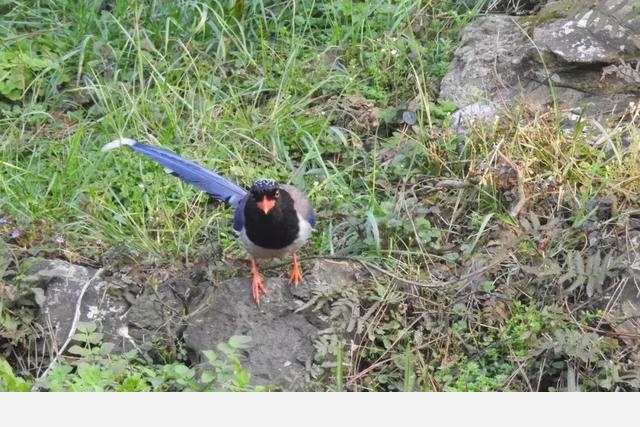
[(272, 219)]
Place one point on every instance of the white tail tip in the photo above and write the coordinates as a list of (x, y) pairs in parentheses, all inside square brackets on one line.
[(116, 143)]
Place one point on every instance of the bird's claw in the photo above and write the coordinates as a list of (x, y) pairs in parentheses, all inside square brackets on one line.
[(257, 286), (296, 275)]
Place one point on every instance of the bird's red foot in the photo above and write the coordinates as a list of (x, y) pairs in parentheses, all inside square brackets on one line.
[(257, 285), (296, 275)]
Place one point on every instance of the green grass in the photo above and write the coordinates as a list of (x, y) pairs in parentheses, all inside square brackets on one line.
[(307, 92), (251, 99)]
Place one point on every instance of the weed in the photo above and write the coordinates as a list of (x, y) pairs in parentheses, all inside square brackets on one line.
[(96, 369)]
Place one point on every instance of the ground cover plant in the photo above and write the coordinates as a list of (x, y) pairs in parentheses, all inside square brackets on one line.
[(493, 257)]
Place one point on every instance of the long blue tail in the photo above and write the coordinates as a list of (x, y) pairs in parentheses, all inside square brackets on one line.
[(189, 171)]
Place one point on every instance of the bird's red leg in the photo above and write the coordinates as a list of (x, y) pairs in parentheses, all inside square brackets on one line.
[(256, 283), (296, 275)]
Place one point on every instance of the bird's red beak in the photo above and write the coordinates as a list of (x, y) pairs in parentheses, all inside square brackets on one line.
[(265, 205)]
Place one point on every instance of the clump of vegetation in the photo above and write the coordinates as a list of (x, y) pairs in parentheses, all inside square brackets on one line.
[(92, 367)]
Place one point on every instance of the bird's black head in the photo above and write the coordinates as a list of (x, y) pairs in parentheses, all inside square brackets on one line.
[(270, 217), (265, 192)]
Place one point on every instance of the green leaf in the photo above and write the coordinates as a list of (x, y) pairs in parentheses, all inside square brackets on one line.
[(183, 372), (339, 135), (226, 348), (373, 227), (211, 356), (80, 351), (86, 327), (94, 337), (488, 286), (8, 380), (36, 63), (239, 341), (207, 377), (106, 348)]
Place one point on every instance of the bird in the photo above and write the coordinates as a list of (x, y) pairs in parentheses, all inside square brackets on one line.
[(271, 219)]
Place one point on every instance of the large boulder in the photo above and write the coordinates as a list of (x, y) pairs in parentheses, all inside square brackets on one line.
[(186, 310), (493, 56), (605, 33), (571, 61)]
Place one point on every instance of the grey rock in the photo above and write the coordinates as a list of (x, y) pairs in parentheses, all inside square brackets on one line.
[(159, 315), (538, 95), (494, 54), (479, 112), (62, 283), (601, 106), (282, 340), (570, 62), (591, 37), (281, 328), (188, 310)]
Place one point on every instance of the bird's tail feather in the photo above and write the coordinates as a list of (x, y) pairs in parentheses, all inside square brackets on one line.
[(187, 170)]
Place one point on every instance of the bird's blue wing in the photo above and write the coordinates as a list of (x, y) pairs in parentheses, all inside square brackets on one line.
[(189, 171), (238, 215)]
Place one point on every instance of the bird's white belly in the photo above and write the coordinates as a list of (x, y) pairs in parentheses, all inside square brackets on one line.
[(259, 252)]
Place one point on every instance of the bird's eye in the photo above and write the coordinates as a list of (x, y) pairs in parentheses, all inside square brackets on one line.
[(276, 194)]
